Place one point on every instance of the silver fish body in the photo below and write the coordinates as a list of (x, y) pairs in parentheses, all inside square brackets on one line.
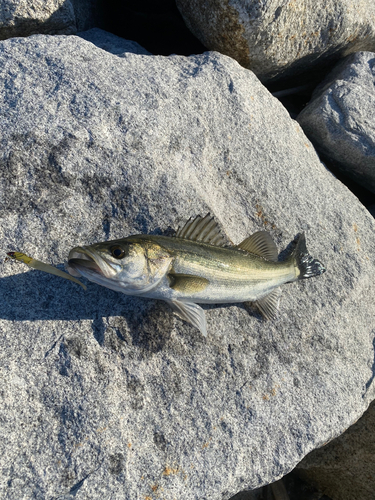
[(194, 268)]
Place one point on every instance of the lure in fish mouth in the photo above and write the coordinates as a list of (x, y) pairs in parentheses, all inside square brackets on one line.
[(195, 267)]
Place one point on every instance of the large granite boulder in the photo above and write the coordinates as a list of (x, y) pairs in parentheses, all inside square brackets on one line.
[(53, 17), (157, 25), (278, 39), (104, 395), (26, 17), (340, 120)]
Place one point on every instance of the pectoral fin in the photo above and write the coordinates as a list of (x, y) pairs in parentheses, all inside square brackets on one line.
[(190, 312), (187, 283), (269, 305)]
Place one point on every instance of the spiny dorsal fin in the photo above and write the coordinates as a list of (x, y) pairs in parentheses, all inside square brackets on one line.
[(260, 243), (190, 312), (203, 229), (187, 283), (269, 304)]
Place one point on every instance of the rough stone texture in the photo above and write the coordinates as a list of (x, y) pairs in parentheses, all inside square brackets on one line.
[(25, 17), (340, 119), (345, 468), (278, 38), (108, 396), (112, 43)]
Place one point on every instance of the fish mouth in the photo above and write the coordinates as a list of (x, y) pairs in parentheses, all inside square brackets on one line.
[(83, 262)]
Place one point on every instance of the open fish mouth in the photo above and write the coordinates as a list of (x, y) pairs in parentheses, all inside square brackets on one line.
[(83, 262)]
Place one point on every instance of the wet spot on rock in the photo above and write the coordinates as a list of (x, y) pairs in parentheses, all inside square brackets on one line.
[(226, 428), (251, 414), (116, 463), (121, 200), (96, 186), (64, 361), (67, 477), (174, 144), (160, 441), (136, 390), (75, 346), (278, 12)]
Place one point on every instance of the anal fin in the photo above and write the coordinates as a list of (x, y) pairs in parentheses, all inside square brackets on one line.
[(190, 312), (269, 305)]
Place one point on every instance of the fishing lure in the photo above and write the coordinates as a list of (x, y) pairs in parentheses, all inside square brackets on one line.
[(41, 266)]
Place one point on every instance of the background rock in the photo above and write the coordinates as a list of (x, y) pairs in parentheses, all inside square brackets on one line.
[(340, 121), (158, 26), (278, 39), (344, 468), (107, 395), (25, 17), (89, 13), (112, 43)]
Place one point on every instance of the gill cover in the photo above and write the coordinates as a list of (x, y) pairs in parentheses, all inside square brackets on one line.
[(127, 265)]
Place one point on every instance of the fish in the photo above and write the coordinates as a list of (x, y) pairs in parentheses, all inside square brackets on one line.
[(41, 266), (196, 266)]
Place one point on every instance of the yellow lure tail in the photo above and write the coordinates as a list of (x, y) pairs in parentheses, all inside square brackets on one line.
[(41, 266)]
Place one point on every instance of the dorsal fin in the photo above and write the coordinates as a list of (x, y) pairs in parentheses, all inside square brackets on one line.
[(203, 229), (260, 243)]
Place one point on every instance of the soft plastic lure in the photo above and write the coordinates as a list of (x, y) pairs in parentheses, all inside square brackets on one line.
[(41, 266)]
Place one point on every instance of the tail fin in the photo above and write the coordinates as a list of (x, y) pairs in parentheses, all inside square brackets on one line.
[(307, 266)]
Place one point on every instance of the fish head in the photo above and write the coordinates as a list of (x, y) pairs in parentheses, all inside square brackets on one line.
[(129, 265)]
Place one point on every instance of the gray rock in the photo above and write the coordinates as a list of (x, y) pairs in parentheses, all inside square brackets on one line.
[(108, 396), (112, 43), (278, 39), (27, 17), (89, 13), (340, 121), (344, 468)]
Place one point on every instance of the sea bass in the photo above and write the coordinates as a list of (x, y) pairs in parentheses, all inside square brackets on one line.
[(195, 267)]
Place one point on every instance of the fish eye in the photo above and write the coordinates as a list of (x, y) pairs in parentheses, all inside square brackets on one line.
[(117, 252)]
